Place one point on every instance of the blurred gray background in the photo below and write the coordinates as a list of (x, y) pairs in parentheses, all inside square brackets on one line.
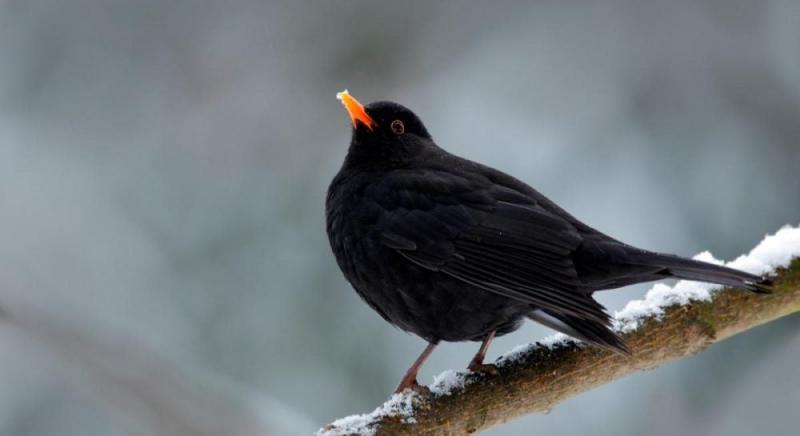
[(163, 168)]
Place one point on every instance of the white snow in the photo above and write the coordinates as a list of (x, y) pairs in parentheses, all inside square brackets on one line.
[(400, 405), (773, 252), (448, 381)]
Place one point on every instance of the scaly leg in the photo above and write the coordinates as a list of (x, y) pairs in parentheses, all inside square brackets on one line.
[(409, 380), (477, 365)]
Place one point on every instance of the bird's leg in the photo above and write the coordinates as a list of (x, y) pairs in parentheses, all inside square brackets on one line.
[(477, 365), (409, 380)]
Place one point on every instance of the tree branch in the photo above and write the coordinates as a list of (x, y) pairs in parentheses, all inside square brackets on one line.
[(540, 376)]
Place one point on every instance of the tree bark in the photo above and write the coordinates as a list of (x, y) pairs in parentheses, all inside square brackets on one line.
[(543, 376)]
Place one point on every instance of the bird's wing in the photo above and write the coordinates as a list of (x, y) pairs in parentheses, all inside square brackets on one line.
[(489, 236)]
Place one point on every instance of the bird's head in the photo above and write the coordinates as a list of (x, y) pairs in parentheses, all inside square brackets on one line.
[(384, 130)]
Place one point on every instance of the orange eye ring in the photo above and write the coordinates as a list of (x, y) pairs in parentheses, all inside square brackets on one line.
[(398, 128)]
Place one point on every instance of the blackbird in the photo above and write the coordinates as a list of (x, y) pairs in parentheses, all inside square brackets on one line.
[(452, 250)]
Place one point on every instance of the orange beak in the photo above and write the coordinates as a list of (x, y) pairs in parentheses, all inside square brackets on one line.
[(355, 109)]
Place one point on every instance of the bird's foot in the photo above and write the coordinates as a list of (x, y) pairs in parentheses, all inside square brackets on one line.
[(483, 368), (414, 386)]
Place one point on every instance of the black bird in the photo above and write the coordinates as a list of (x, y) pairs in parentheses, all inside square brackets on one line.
[(452, 250)]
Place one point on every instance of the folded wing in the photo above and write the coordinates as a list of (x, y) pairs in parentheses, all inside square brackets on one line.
[(493, 239)]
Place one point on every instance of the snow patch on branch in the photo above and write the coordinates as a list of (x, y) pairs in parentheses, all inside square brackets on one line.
[(399, 405), (448, 381), (774, 251)]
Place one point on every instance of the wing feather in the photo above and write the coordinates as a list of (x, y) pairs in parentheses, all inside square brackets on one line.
[(503, 243)]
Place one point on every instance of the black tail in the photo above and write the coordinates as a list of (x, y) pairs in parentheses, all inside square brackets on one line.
[(682, 268), (589, 331)]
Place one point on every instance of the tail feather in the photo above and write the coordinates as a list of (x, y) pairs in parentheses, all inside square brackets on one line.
[(689, 269), (589, 331), (609, 264)]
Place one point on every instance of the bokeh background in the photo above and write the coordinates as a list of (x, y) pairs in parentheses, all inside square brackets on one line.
[(164, 268)]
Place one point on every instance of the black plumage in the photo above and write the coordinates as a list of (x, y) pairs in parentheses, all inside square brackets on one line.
[(452, 250)]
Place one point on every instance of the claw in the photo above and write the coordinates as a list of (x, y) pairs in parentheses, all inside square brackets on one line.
[(414, 386), (483, 368)]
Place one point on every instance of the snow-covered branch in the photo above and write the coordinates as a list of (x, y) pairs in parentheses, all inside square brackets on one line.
[(669, 323)]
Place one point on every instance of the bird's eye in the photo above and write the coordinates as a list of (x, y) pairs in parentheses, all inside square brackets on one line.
[(397, 127)]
